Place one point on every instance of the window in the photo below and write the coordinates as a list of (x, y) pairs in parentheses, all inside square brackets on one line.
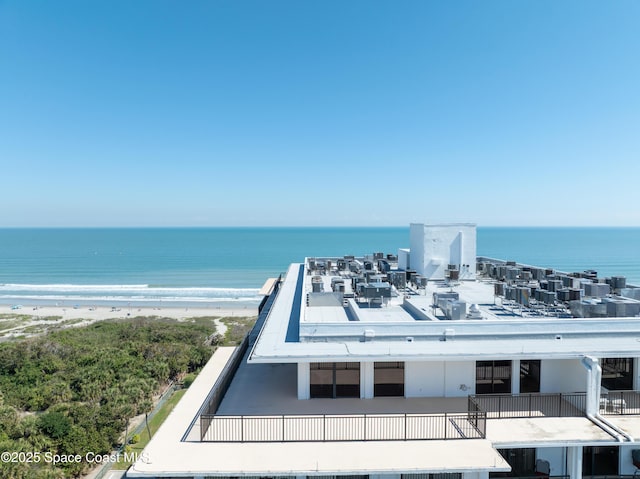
[(335, 380), (493, 377), (617, 373), (522, 462), (388, 379), (599, 460), (530, 376)]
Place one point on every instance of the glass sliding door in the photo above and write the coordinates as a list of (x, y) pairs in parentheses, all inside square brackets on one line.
[(388, 379), (493, 377), (617, 374), (530, 376), (334, 380)]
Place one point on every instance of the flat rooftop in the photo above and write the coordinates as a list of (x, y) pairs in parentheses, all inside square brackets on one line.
[(408, 327)]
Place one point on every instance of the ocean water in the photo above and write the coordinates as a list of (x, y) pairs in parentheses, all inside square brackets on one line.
[(214, 266)]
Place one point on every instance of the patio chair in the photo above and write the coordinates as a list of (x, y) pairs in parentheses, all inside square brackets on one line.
[(543, 468)]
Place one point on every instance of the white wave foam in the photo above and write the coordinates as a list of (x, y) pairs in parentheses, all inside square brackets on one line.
[(143, 289), (132, 299)]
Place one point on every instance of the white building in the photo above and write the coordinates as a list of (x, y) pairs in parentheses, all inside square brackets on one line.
[(354, 369)]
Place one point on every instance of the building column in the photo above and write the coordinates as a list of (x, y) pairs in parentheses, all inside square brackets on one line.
[(636, 374), (366, 380), (574, 462), (515, 376), (304, 381)]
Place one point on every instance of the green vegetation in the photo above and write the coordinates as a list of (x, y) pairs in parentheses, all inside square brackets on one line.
[(237, 328), (154, 423), (74, 391)]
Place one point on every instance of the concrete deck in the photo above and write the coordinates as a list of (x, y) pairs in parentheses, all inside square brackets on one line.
[(265, 389), (167, 454), (541, 431), (628, 424)]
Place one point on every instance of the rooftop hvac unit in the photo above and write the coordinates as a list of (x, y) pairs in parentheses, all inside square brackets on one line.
[(511, 263), (453, 274), (623, 308), (498, 289), (588, 308), (455, 310), (440, 298), (378, 255), (596, 290), (522, 295), (316, 284), (633, 293), (564, 294), (375, 290), (502, 271), (544, 285), (384, 266), (567, 281), (537, 273), (549, 297), (492, 271), (555, 285), (618, 282), (548, 271), (513, 273), (574, 294), (398, 278)]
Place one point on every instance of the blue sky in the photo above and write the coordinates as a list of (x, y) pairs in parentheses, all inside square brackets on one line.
[(214, 113)]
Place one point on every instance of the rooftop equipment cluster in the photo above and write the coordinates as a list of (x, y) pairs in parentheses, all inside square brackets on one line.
[(370, 278), (582, 294)]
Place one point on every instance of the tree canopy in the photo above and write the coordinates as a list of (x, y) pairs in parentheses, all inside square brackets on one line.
[(74, 391)]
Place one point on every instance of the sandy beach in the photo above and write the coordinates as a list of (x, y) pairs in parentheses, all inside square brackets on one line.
[(29, 320), (104, 312)]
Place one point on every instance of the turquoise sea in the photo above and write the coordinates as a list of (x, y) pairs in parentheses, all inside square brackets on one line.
[(221, 265)]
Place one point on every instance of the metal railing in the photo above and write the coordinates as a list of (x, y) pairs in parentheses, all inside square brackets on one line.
[(343, 427), (620, 403), (219, 389), (529, 405)]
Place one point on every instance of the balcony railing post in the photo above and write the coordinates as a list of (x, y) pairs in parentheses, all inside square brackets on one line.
[(405, 426), (283, 433), (324, 427), (560, 404), (530, 395), (365, 428), (446, 424)]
